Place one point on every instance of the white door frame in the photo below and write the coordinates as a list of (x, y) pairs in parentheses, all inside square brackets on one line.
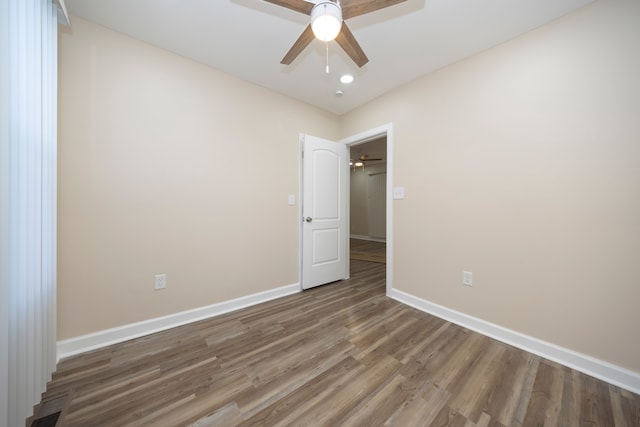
[(370, 135)]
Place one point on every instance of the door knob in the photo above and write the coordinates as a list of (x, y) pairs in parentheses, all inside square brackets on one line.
[(308, 219)]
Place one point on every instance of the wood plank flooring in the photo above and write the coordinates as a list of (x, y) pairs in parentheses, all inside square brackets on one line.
[(365, 250), (339, 355)]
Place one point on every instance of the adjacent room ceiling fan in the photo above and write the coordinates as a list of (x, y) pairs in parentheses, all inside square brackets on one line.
[(362, 160), (327, 23)]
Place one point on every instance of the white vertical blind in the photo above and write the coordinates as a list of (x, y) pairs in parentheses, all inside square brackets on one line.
[(28, 43), (4, 213)]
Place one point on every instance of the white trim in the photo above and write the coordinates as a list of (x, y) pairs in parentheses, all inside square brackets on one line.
[(84, 343), (63, 15), (300, 199), (367, 238), (600, 369), (366, 136)]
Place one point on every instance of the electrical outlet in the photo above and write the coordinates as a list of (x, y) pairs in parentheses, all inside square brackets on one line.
[(292, 200), (161, 281), (467, 278)]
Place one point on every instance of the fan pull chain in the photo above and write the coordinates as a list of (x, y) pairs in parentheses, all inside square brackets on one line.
[(326, 44)]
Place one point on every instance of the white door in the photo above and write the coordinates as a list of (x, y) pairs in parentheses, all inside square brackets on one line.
[(378, 205), (325, 241)]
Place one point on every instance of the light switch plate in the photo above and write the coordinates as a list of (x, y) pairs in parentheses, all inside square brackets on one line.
[(467, 278), (398, 192), (292, 200)]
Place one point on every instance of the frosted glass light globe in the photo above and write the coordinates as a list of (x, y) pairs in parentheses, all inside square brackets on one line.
[(326, 20)]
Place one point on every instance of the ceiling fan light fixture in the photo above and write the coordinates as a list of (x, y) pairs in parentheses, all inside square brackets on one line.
[(326, 20)]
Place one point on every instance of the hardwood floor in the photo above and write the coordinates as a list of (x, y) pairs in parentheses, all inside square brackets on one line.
[(340, 354), (365, 250)]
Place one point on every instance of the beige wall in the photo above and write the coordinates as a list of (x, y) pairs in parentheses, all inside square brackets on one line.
[(359, 198), (522, 165), (169, 166), (358, 206)]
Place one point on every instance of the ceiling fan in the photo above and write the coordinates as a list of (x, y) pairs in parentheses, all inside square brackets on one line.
[(362, 160), (327, 23)]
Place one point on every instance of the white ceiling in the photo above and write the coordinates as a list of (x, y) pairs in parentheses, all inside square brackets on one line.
[(248, 38)]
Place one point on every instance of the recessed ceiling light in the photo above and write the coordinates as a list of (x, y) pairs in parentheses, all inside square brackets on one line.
[(346, 79)]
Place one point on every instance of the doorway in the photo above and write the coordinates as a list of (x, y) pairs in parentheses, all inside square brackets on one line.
[(368, 183), (367, 203), (370, 228)]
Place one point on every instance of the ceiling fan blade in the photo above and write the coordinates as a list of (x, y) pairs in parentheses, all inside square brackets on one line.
[(348, 43), (352, 8), (301, 6), (303, 41)]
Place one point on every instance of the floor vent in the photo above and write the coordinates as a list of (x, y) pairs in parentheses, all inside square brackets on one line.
[(48, 421), (49, 412)]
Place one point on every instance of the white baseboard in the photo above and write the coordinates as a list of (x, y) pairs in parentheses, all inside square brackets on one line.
[(369, 238), (605, 371), (81, 344)]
